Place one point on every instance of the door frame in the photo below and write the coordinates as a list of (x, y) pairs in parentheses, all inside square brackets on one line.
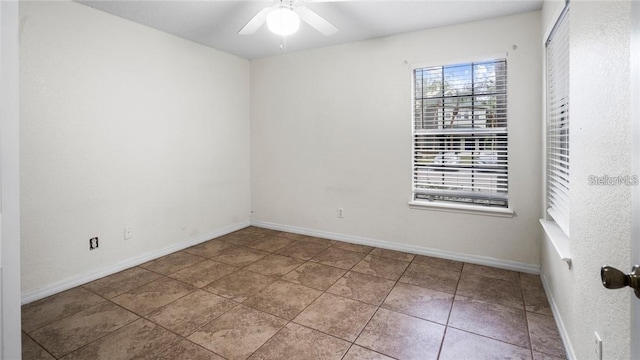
[(635, 121)]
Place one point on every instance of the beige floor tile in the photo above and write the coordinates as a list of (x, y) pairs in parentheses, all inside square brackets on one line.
[(270, 243), (545, 337), (530, 280), (188, 314), (491, 272), (438, 279), (541, 356), (493, 290), (383, 267), (364, 249), (498, 322), (58, 306), (438, 263), (203, 273), (463, 345), (420, 302), (69, 334), (315, 275), (262, 231), (240, 256), (241, 238), (239, 285), (343, 259), (153, 295), (141, 339), (301, 343), (246, 230), (402, 336), (317, 240), (367, 288), (283, 299), (359, 353), (290, 236), (173, 262), (303, 250), (210, 248), (188, 351), (302, 298), (535, 300), (238, 333), (274, 265), (337, 316), (33, 351), (121, 282), (392, 254)]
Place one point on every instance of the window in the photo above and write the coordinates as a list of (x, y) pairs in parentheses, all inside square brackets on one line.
[(557, 130), (460, 134)]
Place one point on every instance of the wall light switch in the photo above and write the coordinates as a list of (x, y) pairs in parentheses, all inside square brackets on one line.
[(597, 344)]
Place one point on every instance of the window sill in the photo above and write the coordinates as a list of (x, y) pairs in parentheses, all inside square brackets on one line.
[(461, 208), (558, 239)]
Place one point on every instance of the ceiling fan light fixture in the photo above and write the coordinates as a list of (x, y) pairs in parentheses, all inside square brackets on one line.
[(283, 21)]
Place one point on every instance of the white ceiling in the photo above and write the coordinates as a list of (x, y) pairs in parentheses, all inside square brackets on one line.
[(216, 23)]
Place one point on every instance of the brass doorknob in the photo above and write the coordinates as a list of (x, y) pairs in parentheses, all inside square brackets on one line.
[(613, 278)]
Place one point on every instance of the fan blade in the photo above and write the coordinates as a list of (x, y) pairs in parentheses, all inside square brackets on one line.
[(316, 21), (254, 24)]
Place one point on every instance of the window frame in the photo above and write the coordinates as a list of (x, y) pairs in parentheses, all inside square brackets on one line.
[(470, 207)]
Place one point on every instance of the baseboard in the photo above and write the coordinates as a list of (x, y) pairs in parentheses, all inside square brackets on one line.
[(420, 250), (74, 281), (562, 329)]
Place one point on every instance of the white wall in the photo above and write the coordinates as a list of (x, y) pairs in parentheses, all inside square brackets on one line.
[(600, 215), (123, 125), (331, 128)]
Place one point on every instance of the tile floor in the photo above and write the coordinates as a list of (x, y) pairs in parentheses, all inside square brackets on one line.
[(263, 294)]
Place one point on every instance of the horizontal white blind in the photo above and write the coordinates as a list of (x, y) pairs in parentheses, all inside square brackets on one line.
[(557, 58), (460, 133)]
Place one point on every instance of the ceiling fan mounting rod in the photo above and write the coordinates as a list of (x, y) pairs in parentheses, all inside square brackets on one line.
[(282, 4)]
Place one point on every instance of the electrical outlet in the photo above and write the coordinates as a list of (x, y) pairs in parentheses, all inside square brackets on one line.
[(128, 233), (93, 243), (340, 213), (597, 344)]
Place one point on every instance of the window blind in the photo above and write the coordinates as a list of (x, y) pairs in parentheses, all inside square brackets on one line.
[(557, 131), (460, 133)]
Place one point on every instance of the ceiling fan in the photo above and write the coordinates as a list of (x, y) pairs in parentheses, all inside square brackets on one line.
[(283, 18)]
